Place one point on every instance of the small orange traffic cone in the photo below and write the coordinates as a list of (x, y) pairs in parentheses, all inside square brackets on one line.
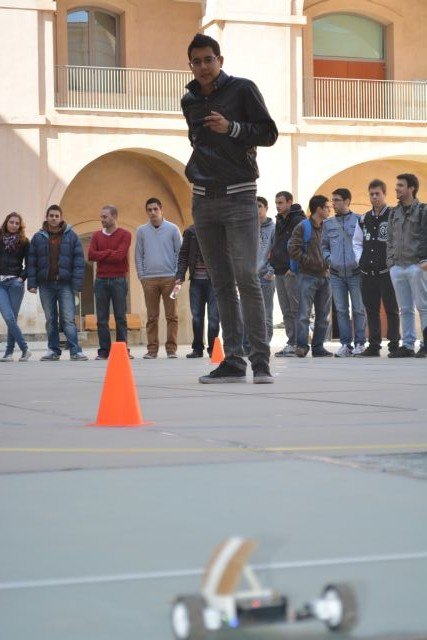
[(119, 404), (217, 352)]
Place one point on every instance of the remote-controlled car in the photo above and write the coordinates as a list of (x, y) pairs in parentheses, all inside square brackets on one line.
[(219, 606)]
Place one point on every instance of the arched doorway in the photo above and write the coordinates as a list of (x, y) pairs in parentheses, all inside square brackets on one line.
[(126, 178)]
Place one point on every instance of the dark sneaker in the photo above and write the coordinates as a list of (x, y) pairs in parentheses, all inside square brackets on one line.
[(301, 352), (194, 354), (26, 355), (421, 353), (321, 353), (369, 352), (224, 373), (402, 352), (262, 374), (8, 357), (150, 356), (101, 356)]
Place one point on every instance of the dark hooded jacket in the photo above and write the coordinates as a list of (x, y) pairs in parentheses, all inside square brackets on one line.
[(285, 225), (71, 262)]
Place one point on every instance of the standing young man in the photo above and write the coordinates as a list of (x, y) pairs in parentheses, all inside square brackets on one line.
[(227, 119), (56, 268), (202, 295), (370, 249), (156, 254), (109, 248), (337, 246), (313, 280), (407, 261), (288, 216)]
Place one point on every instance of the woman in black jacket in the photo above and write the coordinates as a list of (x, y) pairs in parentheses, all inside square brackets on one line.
[(14, 247)]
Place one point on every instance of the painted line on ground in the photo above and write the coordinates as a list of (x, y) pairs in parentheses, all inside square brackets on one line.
[(243, 447), (183, 573)]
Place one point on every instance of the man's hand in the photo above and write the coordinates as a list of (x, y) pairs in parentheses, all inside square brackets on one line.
[(423, 265), (216, 122), (34, 290), (269, 276)]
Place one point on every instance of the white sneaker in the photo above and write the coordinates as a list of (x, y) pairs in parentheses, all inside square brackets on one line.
[(79, 356), (8, 357), (26, 355), (49, 356), (358, 349), (344, 352), (287, 352)]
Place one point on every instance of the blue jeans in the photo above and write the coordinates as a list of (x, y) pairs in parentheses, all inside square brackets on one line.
[(11, 294), (202, 295), (342, 287), (267, 289), (410, 285), (228, 232), (107, 291), (54, 295), (313, 290)]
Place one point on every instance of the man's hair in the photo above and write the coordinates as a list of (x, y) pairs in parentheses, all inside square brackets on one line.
[(344, 193), (411, 181), (263, 201), (285, 194), (153, 201), (112, 209), (378, 184), (316, 202), (54, 207), (200, 41)]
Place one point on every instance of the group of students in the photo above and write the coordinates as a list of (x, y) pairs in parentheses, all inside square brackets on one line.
[(380, 257)]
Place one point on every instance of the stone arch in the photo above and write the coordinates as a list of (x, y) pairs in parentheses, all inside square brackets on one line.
[(357, 177), (127, 178)]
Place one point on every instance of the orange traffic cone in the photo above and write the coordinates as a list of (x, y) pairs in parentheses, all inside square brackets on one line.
[(217, 352), (119, 405)]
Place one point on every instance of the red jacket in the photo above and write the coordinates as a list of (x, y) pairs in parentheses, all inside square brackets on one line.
[(110, 253)]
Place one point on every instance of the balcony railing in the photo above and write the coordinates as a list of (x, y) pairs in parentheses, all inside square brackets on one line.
[(353, 99), (118, 89)]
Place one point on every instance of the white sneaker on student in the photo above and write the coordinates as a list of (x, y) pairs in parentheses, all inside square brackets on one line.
[(358, 349), (344, 351)]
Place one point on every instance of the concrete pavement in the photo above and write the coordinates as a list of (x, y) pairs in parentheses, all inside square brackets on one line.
[(102, 527)]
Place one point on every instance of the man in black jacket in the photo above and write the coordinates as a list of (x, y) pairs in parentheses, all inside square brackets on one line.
[(201, 292), (227, 119), (370, 249), (289, 215)]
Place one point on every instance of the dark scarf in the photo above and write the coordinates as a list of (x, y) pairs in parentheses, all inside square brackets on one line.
[(11, 242)]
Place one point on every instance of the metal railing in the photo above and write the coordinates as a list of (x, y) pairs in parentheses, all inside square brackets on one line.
[(354, 99), (119, 89)]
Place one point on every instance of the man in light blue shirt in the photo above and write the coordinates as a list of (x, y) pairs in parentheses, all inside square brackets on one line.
[(156, 254)]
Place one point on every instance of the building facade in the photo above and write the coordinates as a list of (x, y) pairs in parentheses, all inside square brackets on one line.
[(90, 105)]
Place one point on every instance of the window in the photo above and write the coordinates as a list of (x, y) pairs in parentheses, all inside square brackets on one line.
[(93, 37), (342, 35)]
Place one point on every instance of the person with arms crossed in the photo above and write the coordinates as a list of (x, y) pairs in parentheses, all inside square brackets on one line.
[(109, 248)]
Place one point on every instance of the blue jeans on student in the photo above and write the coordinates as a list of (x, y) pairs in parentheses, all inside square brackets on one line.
[(410, 285), (201, 295), (313, 290), (110, 291), (267, 289), (342, 287), (11, 294), (54, 296), (228, 232)]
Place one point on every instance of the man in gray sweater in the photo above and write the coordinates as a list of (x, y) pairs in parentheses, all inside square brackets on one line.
[(156, 254)]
